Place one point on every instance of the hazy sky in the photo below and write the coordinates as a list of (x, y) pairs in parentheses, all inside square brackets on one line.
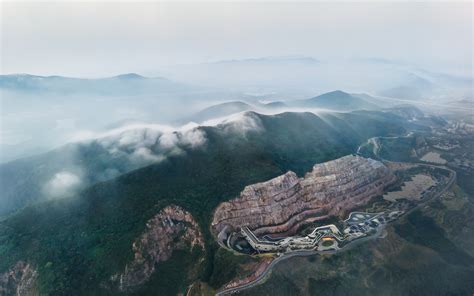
[(98, 39)]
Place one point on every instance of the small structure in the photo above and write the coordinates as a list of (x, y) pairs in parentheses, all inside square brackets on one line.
[(291, 243)]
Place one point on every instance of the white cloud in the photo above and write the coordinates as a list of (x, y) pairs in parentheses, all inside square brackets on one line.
[(63, 184), (241, 122), (145, 154), (146, 143), (193, 137), (168, 140), (143, 144)]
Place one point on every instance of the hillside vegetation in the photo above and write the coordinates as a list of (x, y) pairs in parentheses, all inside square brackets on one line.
[(78, 243)]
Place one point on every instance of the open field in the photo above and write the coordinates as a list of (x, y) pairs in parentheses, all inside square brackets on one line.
[(413, 189), (433, 157)]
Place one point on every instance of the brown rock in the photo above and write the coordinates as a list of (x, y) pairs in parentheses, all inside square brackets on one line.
[(173, 228), (19, 280), (282, 203)]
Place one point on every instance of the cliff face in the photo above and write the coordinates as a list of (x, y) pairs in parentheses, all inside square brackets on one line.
[(19, 280), (283, 203), (171, 229)]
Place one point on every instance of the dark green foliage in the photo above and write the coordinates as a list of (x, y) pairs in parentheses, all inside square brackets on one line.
[(466, 181), (324, 137), (79, 243), (170, 276), (397, 149), (280, 285), (225, 267), (22, 181), (424, 231), (328, 286)]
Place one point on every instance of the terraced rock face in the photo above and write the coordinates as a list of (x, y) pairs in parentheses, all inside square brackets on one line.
[(173, 228), (283, 203)]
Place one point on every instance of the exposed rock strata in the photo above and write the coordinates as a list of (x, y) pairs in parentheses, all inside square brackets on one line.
[(280, 204), (19, 280), (173, 228)]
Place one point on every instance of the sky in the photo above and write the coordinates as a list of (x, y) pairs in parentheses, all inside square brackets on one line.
[(95, 39)]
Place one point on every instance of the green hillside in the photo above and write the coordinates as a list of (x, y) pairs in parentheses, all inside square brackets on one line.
[(78, 243), (22, 181)]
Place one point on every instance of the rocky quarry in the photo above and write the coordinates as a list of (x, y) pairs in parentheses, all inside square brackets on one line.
[(19, 280), (173, 228), (284, 203)]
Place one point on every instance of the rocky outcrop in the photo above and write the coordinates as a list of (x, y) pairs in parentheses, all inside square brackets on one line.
[(283, 203), (173, 228), (19, 280)]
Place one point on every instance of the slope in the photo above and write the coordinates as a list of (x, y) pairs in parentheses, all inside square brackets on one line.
[(337, 100), (221, 110), (78, 243)]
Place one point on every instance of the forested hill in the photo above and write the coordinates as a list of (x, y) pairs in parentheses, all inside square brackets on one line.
[(77, 244)]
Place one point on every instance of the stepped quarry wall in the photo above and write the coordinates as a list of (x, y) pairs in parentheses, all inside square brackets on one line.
[(282, 204)]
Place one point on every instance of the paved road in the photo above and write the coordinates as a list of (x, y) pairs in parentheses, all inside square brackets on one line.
[(299, 253), (350, 245)]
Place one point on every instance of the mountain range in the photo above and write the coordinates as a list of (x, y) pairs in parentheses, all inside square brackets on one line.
[(76, 241), (295, 77), (334, 101), (124, 84)]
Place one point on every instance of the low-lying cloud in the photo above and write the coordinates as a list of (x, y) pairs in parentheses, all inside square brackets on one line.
[(133, 146), (63, 184), (150, 143), (242, 122)]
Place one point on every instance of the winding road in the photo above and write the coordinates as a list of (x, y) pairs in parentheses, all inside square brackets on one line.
[(302, 253)]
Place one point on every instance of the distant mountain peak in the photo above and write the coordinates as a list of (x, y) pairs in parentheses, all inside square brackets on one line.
[(336, 93), (220, 110), (121, 84), (21, 76), (276, 104), (337, 100), (130, 76)]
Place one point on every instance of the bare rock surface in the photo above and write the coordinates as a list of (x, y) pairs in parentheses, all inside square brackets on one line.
[(173, 228), (19, 280), (281, 204)]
